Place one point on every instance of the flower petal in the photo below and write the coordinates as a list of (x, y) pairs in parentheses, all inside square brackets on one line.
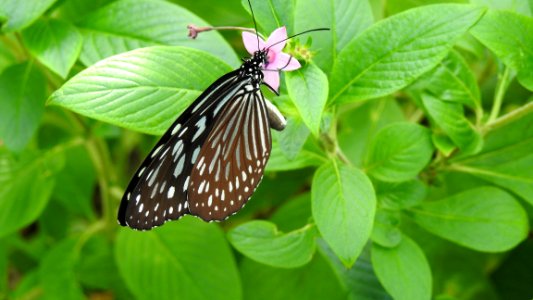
[(285, 62), (276, 36), (250, 42), (272, 79)]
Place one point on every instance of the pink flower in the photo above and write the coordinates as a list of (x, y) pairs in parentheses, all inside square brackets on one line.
[(276, 60)]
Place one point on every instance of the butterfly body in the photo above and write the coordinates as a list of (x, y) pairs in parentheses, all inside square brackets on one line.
[(210, 161)]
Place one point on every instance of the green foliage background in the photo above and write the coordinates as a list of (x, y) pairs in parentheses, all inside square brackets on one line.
[(405, 170)]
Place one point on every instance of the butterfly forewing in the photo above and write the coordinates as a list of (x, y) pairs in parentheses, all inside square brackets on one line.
[(158, 190), (233, 158)]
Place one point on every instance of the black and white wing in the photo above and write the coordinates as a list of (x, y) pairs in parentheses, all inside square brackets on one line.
[(158, 190), (233, 158)]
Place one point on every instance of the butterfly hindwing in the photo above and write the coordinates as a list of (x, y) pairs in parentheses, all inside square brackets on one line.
[(158, 190), (233, 158)]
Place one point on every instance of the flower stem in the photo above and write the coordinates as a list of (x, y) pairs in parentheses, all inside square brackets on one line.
[(194, 30)]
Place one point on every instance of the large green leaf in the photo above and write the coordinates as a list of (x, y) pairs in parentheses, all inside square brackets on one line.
[(26, 184), (399, 152), (262, 242), (394, 52), (449, 117), (129, 24), (506, 158), (308, 89), (403, 270), (22, 97), (315, 280), (520, 6), (343, 206), (142, 89), (485, 219), (510, 36), (346, 19), (188, 258), (56, 43), (20, 14)]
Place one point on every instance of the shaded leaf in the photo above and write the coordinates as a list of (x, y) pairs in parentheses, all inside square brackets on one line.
[(292, 139), (178, 256), (315, 280), (272, 14)]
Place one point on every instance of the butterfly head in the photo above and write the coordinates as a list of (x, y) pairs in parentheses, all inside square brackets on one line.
[(252, 67)]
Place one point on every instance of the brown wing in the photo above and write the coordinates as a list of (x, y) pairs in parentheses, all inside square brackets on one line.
[(233, 158)]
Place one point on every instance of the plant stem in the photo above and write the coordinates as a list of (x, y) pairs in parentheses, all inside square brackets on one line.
[(194, 30), (503, 83)]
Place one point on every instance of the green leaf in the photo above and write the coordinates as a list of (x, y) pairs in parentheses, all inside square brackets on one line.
[(510, 37), (272, 14), (506, 158), (57, 272), (452, 80), (183, 258), (394, 52), (449, 117), (315, 280), (78, 181), (400, 195), (143, 89), (22, 97), (262, 242), (399, 152), (485, 219), (20, 14), (346, 19), (26, 184), (343, 206), (129, 24), (55, 43), (292, 139), (308, 89), (403, 270)]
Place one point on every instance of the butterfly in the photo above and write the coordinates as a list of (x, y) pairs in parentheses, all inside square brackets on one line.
[(212, 158)]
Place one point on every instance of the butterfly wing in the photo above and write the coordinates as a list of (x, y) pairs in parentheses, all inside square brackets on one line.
[(158, 190), (233, 158)]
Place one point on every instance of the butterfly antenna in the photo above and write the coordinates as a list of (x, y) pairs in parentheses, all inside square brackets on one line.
[(295, 35), (255, 24)]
